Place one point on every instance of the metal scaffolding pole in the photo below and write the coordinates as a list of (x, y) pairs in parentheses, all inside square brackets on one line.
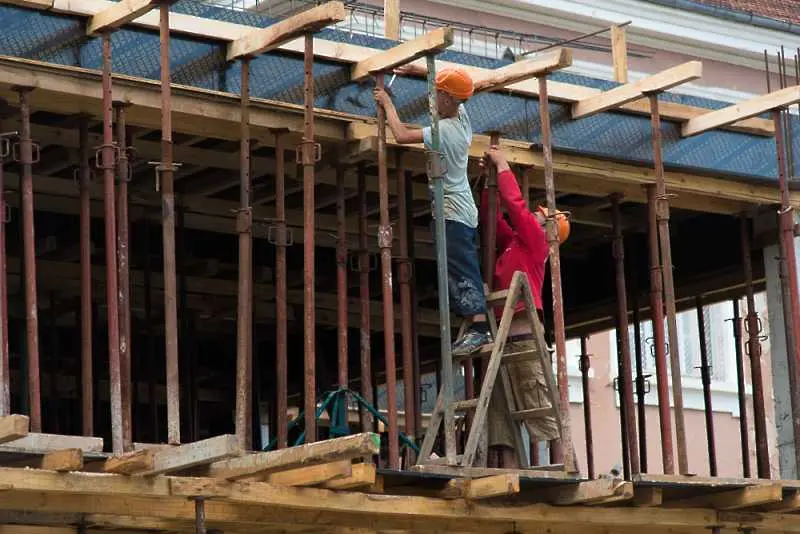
[(244, 316), (363, 270), (281, 335), (341, 276), (705, 373), (123, 269), (753, 327), (5, 370), (641, 378), (659, 343), (166, 169), (662, 216), (585, 365), (84, 180), (741, 389), (404, 266), (385, 244), (24, 153), (310, 153), (627, 368)]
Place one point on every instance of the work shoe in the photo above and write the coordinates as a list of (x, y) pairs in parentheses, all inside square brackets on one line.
[(471, 342)]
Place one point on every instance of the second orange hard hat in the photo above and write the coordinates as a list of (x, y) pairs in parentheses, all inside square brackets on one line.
[(562, 223), (456, 82)]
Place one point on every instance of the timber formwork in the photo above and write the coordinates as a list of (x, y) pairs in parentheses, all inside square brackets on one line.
[(276, 174)]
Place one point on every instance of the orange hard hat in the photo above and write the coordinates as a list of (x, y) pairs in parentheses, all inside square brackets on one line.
[(562, 223), (455, 82)]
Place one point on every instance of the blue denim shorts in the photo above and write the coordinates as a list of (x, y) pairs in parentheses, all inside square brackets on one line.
[(464, 280)]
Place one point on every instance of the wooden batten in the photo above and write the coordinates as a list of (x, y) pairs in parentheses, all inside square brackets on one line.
[(520, 71), (13, 427), (430, 43), (117, 15)]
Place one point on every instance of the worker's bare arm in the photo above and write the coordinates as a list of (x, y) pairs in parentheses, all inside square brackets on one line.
[(402, 133)]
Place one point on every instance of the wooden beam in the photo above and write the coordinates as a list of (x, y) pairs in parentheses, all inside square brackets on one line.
[(431, 42), (66, 460), (118, 15), (13, 427), (312, 475), (479, 472), (362, 475), (743, 110), (790, 503), (346, 448), (519, 71), (619, 54), (474, 489), (391, 19), (177, 458), (648, 496), (42, 443), (734, 499), (623, 94), (599, 491), (131, 462), (263, 40)]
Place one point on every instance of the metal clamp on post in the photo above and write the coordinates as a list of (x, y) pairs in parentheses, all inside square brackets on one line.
[(244, 220), (160, 167), (405, 276), (5, 143), (15, 152), (130, 154), (584, 363), (385, 236), (662, 206), (705, 374), (98, 156), (280, 235), (355, 262), (308, 153), (436, 165), (643, 384)]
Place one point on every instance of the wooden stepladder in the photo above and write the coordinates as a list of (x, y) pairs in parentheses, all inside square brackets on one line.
[(519, 289)]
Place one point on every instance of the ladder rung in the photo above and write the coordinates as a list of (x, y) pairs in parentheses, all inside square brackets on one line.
[(513, 357), (536, 413), (496, 298), (469, 404)]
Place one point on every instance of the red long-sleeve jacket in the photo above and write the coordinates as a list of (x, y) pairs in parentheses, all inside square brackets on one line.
[(521, 246)]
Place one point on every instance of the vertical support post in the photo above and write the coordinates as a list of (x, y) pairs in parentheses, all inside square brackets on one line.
[(416, 375), (585, 365), (385, 244), (662, 215), (168, 228), (619, 53), (640, 380), (365, 342), (200, 515), (123, 269), (622, 311), (555, 276), (26, 159), (742, 392), (309, 157), (404, 266), (753, 351), (281, 337), (244, 316), (148, 329), (705, 374), (391, 19), (5, 370), (490, 235), (436, 174), (659, 341), (341, 276)]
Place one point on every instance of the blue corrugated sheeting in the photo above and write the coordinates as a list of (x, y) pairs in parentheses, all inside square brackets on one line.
[(60, 39)]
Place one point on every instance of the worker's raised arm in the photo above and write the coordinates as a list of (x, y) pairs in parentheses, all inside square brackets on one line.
[(401, 133), (503, 233)]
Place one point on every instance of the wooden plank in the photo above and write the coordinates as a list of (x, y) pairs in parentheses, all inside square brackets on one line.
[(42, 443), (13, 427), (66, 460), (312, 475), (619, 54), (346, 448), (743, 110), (790, 503), (391, 19), (166, 460), (648, 496), (130, 463), (478, 472), (362, 476), (34, 4), (118, 15), (623, 94), (519, 71), (263, 40), (431, 42), (493, 486), (734, 499), (600, 491)]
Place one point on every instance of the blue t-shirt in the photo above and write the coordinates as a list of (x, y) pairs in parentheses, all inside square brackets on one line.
[(455, 135)]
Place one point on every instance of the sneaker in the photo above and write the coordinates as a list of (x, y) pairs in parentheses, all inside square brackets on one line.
[(471, 342)]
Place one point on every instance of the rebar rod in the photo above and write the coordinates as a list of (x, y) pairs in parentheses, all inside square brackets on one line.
[(123, 269), (662, 215), (585, 366), (705, 374), (281, 334), (659, 341), (341, 276), (741, 389), (244, 315)]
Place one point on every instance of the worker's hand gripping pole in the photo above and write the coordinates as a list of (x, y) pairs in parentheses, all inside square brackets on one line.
[(436, 172)]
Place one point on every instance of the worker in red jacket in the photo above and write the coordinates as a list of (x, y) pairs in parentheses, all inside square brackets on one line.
[(521, 246)]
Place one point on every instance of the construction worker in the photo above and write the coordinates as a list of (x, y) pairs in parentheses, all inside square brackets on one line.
[(453, 87), (521, 246)]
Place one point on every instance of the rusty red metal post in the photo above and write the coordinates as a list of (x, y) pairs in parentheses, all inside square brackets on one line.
[(5, 369), (123, 268), (559, 454), (404, 267), (244, 316), (281, 335), (662, 215), (85, 177), (167, 184), (385, 244), (659, 341), (585, 365), (753, 327), (490, 234), (341, 276), (705, 374), (741, 389), (309, 154), (627, 367), (365, 342)]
